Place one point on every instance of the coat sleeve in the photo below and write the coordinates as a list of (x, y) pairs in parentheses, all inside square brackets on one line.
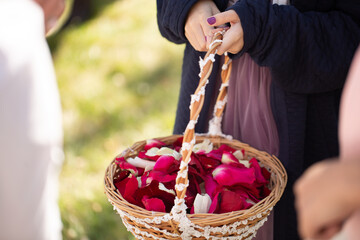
[(307, 52), (172, 14)]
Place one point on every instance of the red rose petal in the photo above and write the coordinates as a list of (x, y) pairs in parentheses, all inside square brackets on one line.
[(230, 201), (153, 204)]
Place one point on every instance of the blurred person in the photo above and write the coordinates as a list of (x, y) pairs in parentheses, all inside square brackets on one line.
[(30, 122), (328, 194), (290, 62)]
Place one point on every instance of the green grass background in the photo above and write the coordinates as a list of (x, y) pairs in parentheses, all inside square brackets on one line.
[(119, 82)]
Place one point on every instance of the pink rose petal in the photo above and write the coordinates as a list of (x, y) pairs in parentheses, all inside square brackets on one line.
[(166, 164), (228, 175)]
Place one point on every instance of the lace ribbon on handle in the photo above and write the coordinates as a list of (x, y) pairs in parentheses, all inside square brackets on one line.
[(197, 101), (215, 122)]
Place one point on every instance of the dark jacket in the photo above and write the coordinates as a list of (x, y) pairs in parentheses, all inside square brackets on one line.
[(308, 47)]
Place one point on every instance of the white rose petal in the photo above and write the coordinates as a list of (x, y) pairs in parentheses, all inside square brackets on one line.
[(245, 162), (239, 155), (163, 151), (139, 181), (152, 152), (162, 187), (202, 203), (206, 146), (141, 163), (169, 152)]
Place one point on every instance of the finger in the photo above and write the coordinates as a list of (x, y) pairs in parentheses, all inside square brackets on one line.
[(200, 38), (231, 42), (213, 32), (194, 39), (223, 18)]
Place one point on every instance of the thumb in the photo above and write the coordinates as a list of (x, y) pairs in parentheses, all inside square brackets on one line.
[(222, 18)]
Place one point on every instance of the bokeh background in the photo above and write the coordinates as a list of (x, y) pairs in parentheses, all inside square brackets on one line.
[(119, 82)]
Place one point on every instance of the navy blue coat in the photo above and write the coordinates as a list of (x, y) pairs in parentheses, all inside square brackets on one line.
[(308, 47)]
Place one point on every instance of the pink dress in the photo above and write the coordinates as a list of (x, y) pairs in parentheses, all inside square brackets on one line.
[(248, 115)]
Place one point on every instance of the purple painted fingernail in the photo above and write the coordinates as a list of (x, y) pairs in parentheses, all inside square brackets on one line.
[(211, 20), (205, 39)]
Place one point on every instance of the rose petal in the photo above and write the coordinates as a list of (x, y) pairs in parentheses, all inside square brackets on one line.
[(239, 155), (229, 158), (153, 204), (266, 173), (205, 147), (195, 163), (141, 163), (208, 163), (226, 148), (127, 188), (258, 174), (228, 175), (163, 188), (230, 201), (245, 163), (214, 204), (202, 203), (265, 192), (194, 187), (214, 154), (143, 155), (169, 152), (153, 143), (152, 152), (152, 191), (210, 186), (248, 191), (122, 174), (166, 164), (160, 176), (123, 164)]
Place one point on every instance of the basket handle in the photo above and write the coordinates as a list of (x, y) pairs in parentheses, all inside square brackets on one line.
[(197, 101)]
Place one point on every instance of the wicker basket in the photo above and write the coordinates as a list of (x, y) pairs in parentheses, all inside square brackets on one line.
[(177, 224)]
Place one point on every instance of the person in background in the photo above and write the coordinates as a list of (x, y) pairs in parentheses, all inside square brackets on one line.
[(328, 193), (30, 122), (290, 64)]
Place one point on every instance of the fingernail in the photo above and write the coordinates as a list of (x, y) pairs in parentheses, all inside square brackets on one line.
[(205, 39), (211, 20)]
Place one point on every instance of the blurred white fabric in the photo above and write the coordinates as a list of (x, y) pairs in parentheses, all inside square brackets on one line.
[(30, 127)]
